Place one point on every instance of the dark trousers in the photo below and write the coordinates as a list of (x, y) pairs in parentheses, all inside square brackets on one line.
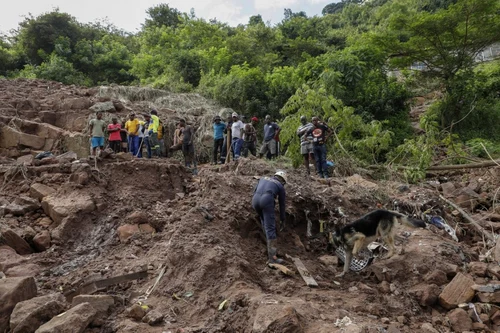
[(263, 203), (249, 145), (320, 157), (218, 146), (115, 146)]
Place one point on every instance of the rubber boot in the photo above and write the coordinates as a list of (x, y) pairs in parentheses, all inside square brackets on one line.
[(272, 251)]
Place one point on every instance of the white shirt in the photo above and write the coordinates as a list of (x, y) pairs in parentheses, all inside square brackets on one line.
[(236, 128)]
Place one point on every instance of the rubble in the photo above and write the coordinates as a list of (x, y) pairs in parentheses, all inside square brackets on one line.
[(458, 291), (12, 291), (29, 315), (74, 320)]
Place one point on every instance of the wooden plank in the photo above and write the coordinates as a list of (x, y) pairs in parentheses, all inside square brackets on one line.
[(285, 270), (308, 279), (92, 287)]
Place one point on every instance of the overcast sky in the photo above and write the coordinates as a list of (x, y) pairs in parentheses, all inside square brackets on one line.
[(129, 14)]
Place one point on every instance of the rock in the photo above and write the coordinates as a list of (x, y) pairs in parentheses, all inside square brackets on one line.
[(69, 156), (479, 327), (22, 205), (59, 207), (489, 297), (329, 260), (29, 315), (103, 107), (437, 277), (81, 178), (477, 268), (13, 291), (458, 291), (153, 317), (13, 240), (448, 189), (9, 258), (353, 328), (426, 294), (393, 328), (75, 320), (495, 318), (45, 222), (124, 156), (126, 231), (42, 241), (136, 312), (118, 105), (385, 287), (146, 228), (23, 270), (427, 328), (496, 251), (40, 191), (287, 321), (137, 218), (358, 181), (25, 160), (101, 303), (460, 320)]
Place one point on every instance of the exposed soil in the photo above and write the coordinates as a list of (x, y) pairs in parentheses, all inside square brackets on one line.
[(209, 242)]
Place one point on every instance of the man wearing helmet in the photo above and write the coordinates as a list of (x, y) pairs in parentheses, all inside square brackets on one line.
[(267, 189)]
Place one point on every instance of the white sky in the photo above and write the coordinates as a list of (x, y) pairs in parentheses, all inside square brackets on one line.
[(129, 14)]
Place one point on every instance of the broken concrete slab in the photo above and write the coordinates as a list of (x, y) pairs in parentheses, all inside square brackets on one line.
[(74, 320), (458, 291), (13, 291), (59, 207), (29, 315)]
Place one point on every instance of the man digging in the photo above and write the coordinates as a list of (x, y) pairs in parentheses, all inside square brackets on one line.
[(267, 189)]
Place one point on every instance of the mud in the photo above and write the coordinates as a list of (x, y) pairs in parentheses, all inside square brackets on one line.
[(209, 243)]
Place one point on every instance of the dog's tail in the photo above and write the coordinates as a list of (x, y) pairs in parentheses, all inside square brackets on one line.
[(411, 222)]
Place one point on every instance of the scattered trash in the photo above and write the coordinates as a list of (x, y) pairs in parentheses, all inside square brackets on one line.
[(471, 306), (346, 321), (222, 305), (188, 294), (43, 155), (285, 270), (440, 223)]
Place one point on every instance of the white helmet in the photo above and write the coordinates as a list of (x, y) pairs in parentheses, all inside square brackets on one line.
[(281, 174)]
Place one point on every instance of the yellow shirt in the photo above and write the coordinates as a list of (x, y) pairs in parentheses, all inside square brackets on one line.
[(132, 126), (160, 131), (154, 123)]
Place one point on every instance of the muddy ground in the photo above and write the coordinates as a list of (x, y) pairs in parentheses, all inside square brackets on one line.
[(204, 252)]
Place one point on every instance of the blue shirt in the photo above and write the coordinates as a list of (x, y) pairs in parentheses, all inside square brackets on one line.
[(268, 185), (270, 131), (219, 130)]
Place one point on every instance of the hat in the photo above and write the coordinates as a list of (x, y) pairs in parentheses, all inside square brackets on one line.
[(217, 118), (154, 112), (255, 119), (235, 114), (282, 174)]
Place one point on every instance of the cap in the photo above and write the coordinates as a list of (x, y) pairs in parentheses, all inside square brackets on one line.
[(235, 114), (255, 119), (154, 112)]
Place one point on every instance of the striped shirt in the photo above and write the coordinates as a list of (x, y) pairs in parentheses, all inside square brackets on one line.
[(302, 130)]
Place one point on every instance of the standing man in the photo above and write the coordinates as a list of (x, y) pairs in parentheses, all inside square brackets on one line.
[(123, 136), (227, 137), (267, 189), (271, 130), (250, 138), (154, 124), (320, 133), (115, 139), (219, 128), (132, 127), (236, 135), (97, 127), (306, 142), (188, 146)]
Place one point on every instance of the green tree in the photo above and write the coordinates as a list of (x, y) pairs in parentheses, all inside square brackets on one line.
[(162, 15)]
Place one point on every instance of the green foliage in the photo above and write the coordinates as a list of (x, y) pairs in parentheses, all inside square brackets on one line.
[(162, 15), (481, 148), (363, 141)]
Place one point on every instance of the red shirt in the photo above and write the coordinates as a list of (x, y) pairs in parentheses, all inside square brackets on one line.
[(114, 136)]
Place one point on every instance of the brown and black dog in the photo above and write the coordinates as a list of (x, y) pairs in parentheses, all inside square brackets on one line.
[(358, 234)]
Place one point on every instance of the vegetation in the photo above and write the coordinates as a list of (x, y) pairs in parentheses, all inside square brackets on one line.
[(349, 66)]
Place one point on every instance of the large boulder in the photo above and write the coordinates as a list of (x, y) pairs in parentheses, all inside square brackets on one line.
[(101, 303), (13, 240), (59, 207), (13, 291), (29, 315), (40, 191), (41, 241), (21, 206), (103, 107), (75, 320)]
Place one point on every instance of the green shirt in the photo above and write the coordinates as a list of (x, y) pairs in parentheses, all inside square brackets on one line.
[(98, 127)]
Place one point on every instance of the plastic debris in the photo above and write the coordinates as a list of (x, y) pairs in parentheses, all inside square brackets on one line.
[(346, 321), (222, 305), (363, 260), (440, 223)]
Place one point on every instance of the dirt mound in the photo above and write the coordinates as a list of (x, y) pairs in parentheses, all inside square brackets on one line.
[(183, 253)]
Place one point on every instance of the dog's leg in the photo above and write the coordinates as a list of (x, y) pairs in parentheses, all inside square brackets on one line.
[(358, 244), (347, 263), (389, 240)]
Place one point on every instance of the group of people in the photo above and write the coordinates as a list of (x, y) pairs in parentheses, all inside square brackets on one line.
[(243, 138)]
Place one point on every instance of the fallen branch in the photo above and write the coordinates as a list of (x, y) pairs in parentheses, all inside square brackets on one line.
[(476, 225), (465, 166)]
